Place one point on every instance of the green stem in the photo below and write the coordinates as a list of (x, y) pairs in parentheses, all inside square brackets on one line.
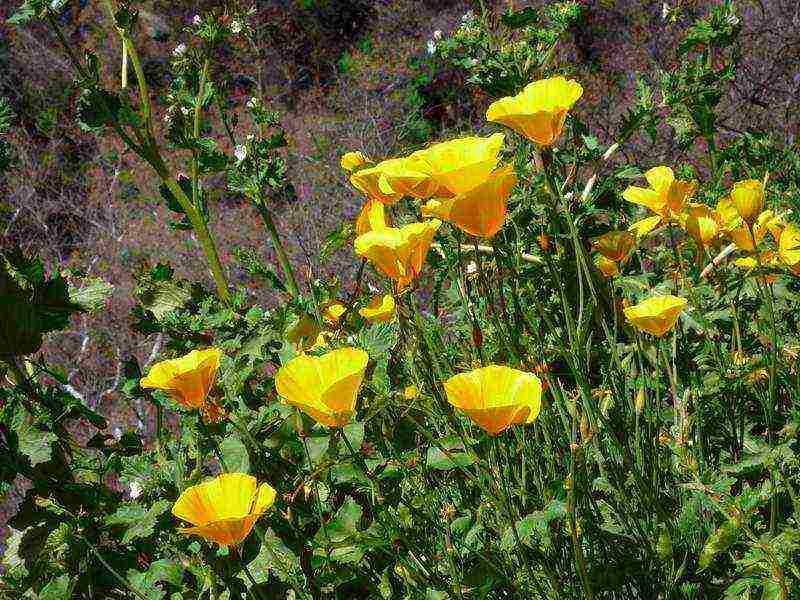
[(283, 258)]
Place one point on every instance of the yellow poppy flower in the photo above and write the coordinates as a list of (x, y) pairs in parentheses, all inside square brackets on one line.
[(381, 309), (462, 164), (480, 211), (224, 509), (367, 181), (657, 315), (789, 245), (643, 227), (496, 397), (615, 245), (332, 311), (539, 111), (353, 160), (324, 387), (748, 198), (607, 267), (666, 195), (187, 379), (701, 223), (398, 253)]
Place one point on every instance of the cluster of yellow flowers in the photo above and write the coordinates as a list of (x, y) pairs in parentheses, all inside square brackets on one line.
[(462, 182), (739, 218)]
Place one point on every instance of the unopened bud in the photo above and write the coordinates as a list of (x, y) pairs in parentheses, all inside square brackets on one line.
[(641, 400)]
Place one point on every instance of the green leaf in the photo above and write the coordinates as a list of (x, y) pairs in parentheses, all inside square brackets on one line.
[(535, 525), (58, 589), (91, 297), (161, 570), (275, 557), (719, 541), (234, 454), (335, 240), (32, 442), (159, 293), (440, 461), (378, 339), (140, 521)]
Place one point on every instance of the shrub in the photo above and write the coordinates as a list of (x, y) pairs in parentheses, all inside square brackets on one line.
[(556, 374)]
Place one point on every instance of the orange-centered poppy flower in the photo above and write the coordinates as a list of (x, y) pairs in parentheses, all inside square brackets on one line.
[(398, 253), (324, 387), (539, 111), (460, 165), (224, 509), (615, 245), (666, 195), (187, 379), (496, 397), (748, 198), (480, 211), (657, 315), (381, 309), (352, 161)]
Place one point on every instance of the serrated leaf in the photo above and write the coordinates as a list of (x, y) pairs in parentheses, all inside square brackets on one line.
[(140, 521), (57, 589), (34, 443), (234, 454), (378, 339)]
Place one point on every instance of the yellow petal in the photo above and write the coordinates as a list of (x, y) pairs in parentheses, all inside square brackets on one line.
[(381, 309), (461, 164), (353, 160), (324, 387), (657, 315), (660, 179), (371, 217), (398, 253), (644, 226), (607, 267), (748, 198), (789, 245), (368, 181), (645, 197), (332, 312), (480, 211), (700, 222), (496, 397), (615, 245), (187, 379)]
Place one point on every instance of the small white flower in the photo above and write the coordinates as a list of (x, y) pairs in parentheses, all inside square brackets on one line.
[(117, 433), (431, 47), (472, 267), (240, 152), (185, 111), (732, 20), (665, 10), (180, 50), (437, 35), (252, 103), (468, 16), (236, 27), (196, 20), (136, 489)]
